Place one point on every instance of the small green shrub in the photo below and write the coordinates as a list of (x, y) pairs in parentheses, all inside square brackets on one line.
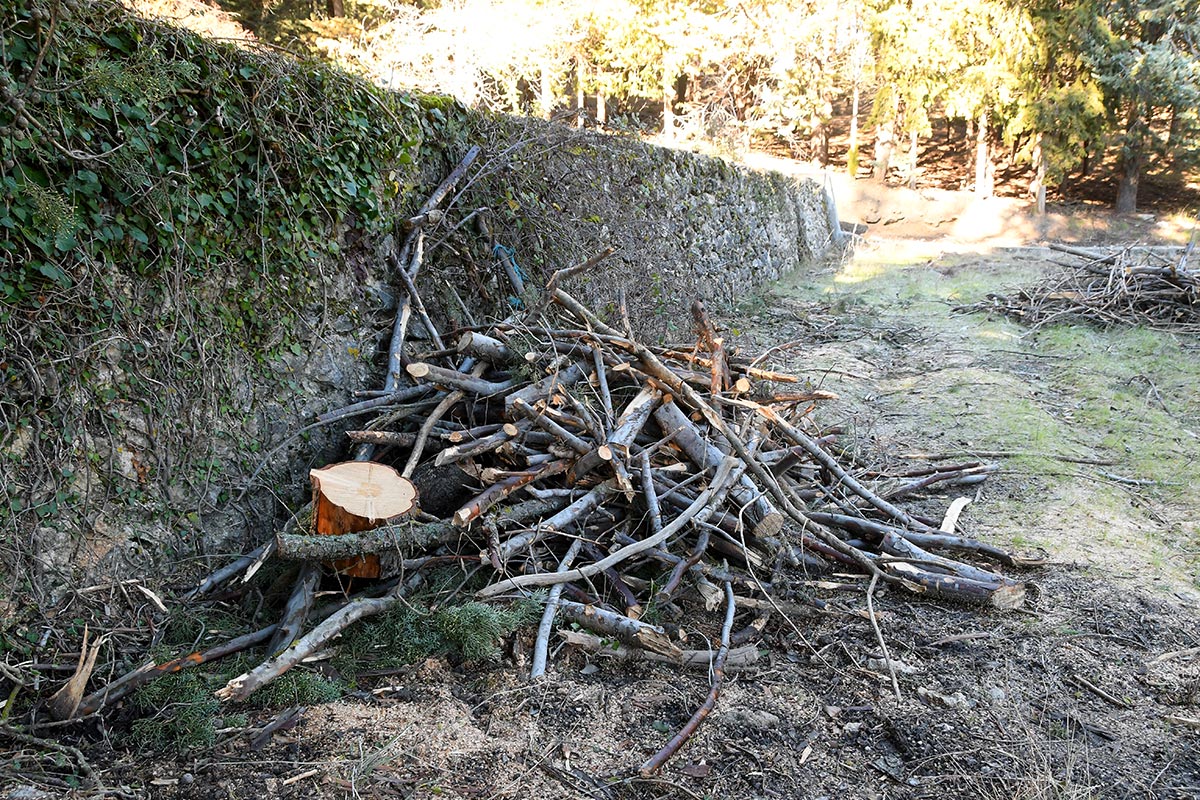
[(298, 687), (182, 711), (473, 629), (470, 631)]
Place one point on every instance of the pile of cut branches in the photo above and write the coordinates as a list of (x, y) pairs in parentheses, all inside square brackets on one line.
[(1130, 286), (605, 478)]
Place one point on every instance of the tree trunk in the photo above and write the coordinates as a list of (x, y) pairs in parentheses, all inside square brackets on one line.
[(1133, 158), (1038, 188), (601, 108), (335, 8), (356, 496), (852, 156), (1127, 186), (546, 93), (885, 142), (579, 95), (983, 183), (668, 101), (819, 144), (912, 159)]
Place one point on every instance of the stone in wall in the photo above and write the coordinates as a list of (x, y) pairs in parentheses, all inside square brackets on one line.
[(684, 225)]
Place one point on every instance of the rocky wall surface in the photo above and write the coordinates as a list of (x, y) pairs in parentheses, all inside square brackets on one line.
[(683, 225)]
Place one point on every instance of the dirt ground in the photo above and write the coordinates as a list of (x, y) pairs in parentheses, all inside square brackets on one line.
[(1091, 690)]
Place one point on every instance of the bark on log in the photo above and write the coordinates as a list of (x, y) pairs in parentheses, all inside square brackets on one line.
[(936, 541), (546, 423), (383, 438), (629, 631), (404, 537), (296, 611), (457, 380), (721, 377), (477, 344), (629, 424), (574, 514), (765, 519), (498, 491), (442, 489), (535, 391), (477, 446)]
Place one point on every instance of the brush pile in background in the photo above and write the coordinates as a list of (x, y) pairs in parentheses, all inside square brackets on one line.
[(1151, 286)]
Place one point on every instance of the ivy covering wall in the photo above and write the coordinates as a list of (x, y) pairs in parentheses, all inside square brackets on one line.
[(170, 212)]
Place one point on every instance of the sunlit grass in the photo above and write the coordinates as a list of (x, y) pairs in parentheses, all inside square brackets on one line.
[(1134, 391), (979, 382)]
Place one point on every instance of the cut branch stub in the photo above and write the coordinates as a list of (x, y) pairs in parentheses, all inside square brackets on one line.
[(357, 496)]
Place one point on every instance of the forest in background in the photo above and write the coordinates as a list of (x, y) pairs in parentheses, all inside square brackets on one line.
[(1068, 90)]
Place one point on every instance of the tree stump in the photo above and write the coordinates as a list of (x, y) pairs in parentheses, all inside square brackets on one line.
[(357, 496)]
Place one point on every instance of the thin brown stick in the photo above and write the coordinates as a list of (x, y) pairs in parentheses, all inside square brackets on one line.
[(562, 274), (656, 762), (122, 686), (721, 378), (498, 491)]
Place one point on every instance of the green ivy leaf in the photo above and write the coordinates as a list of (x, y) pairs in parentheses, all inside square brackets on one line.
[(53, 273)]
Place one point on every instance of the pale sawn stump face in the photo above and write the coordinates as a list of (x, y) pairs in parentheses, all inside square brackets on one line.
[(356, 496), (365, 489)]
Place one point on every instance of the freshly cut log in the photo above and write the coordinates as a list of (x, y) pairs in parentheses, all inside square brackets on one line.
[(547, 385), (356, 496), (721, 377), (767, 521), (457, 380), (477, 344)]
